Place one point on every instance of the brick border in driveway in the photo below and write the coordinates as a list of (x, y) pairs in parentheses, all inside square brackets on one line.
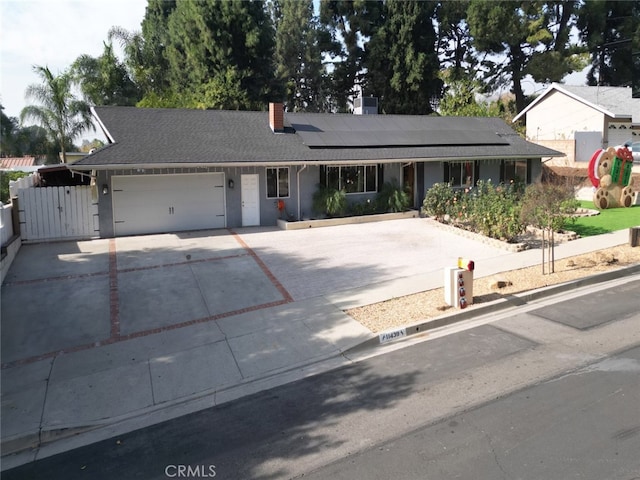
[(114, 301)]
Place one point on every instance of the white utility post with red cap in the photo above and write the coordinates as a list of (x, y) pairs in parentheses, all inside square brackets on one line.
[(458, 283)]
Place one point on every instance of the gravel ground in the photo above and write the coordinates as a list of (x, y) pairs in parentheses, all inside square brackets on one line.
[(430, 304)]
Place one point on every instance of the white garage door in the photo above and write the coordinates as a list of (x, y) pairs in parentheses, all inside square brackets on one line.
[(167, 203), (618, 136)]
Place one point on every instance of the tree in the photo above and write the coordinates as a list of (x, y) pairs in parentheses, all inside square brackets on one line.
[(460, 98), (351, 24), (209, 37), (144, 54), (148, 51), (635, 53), (8, 130), (34, 140), (454, 41), (104, 80), (521, 38), (546, 206), (60, 113), (298, 57), (18, 141), (87, 145), (401, 61), (607, 27), (554, 56)]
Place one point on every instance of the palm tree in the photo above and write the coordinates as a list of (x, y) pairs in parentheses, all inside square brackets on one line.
[(60, 113)]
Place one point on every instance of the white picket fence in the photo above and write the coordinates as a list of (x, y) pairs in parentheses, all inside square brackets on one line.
[(55, 213), (24, 182), (6, 225)]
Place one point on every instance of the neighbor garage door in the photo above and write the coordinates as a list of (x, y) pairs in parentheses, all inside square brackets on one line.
[(167, 203)]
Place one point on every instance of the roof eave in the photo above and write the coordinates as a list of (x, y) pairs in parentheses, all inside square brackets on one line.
[(102, 126), (146, 166)]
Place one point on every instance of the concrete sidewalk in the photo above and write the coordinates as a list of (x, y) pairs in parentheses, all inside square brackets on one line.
[(137, 359)]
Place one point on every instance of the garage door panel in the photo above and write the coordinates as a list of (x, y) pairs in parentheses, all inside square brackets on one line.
[(166, 203), (618, 136)]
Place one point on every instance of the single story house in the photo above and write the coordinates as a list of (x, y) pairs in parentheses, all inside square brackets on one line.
[(169, 170), (578, 120)]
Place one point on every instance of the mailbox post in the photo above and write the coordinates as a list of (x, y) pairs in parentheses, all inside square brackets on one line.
[(458, 284)]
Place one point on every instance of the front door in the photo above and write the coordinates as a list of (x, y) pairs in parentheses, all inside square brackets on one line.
[(408, 181), (250, 193)]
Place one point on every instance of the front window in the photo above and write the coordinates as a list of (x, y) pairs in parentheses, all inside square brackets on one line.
[(278, 182), (459, 174), (514, 171), (353, 179)]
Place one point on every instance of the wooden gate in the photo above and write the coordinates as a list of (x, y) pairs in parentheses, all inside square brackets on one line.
[(57, 213)]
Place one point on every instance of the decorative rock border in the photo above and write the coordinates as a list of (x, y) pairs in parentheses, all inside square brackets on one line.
[(586, 212), (511, 247), (558, 237), (565, 236)]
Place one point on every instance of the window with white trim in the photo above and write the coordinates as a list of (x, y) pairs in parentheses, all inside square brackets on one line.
[(278, 182)]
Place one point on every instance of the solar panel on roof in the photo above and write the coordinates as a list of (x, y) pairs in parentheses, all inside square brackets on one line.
[(396, 138), (375, 131)]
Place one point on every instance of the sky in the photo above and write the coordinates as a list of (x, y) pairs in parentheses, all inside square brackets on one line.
[(54, 33)]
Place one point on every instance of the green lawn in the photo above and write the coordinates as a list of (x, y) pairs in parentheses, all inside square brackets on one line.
[(609, 220)]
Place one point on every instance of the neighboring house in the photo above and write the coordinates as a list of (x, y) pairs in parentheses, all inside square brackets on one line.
[(23, 164), (578, 120), (72, 157), (173, 169)]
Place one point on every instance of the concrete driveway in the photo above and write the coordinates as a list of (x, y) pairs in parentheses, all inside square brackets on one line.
[(102, 337), (66, 295)]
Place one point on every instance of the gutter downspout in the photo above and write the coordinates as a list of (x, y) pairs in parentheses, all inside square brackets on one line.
[(298, 187)]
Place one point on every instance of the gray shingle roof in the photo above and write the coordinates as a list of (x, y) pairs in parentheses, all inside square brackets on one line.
[(616, 100), (147, 136), (613, 101)]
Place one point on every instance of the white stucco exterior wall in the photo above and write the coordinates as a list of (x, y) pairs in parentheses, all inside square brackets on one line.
[(559, 116)]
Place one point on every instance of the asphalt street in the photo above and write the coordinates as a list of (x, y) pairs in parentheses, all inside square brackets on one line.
[(518, 396), (585, 424)]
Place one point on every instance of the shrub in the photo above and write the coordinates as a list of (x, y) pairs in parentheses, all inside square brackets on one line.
[(366, 207), (5, 177), (496, 211), (438, 200), (392, 198), (491, 210), (330, 201)]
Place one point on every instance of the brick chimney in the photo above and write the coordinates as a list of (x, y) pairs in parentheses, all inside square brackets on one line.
[(276, 117)]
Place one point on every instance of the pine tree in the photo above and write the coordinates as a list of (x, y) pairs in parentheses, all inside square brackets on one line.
[(298, 57), (607, 27), (218, 45), (401, 59)]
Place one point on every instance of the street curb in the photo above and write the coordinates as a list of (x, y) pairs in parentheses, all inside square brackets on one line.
[(401, 333), (23, 449)]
